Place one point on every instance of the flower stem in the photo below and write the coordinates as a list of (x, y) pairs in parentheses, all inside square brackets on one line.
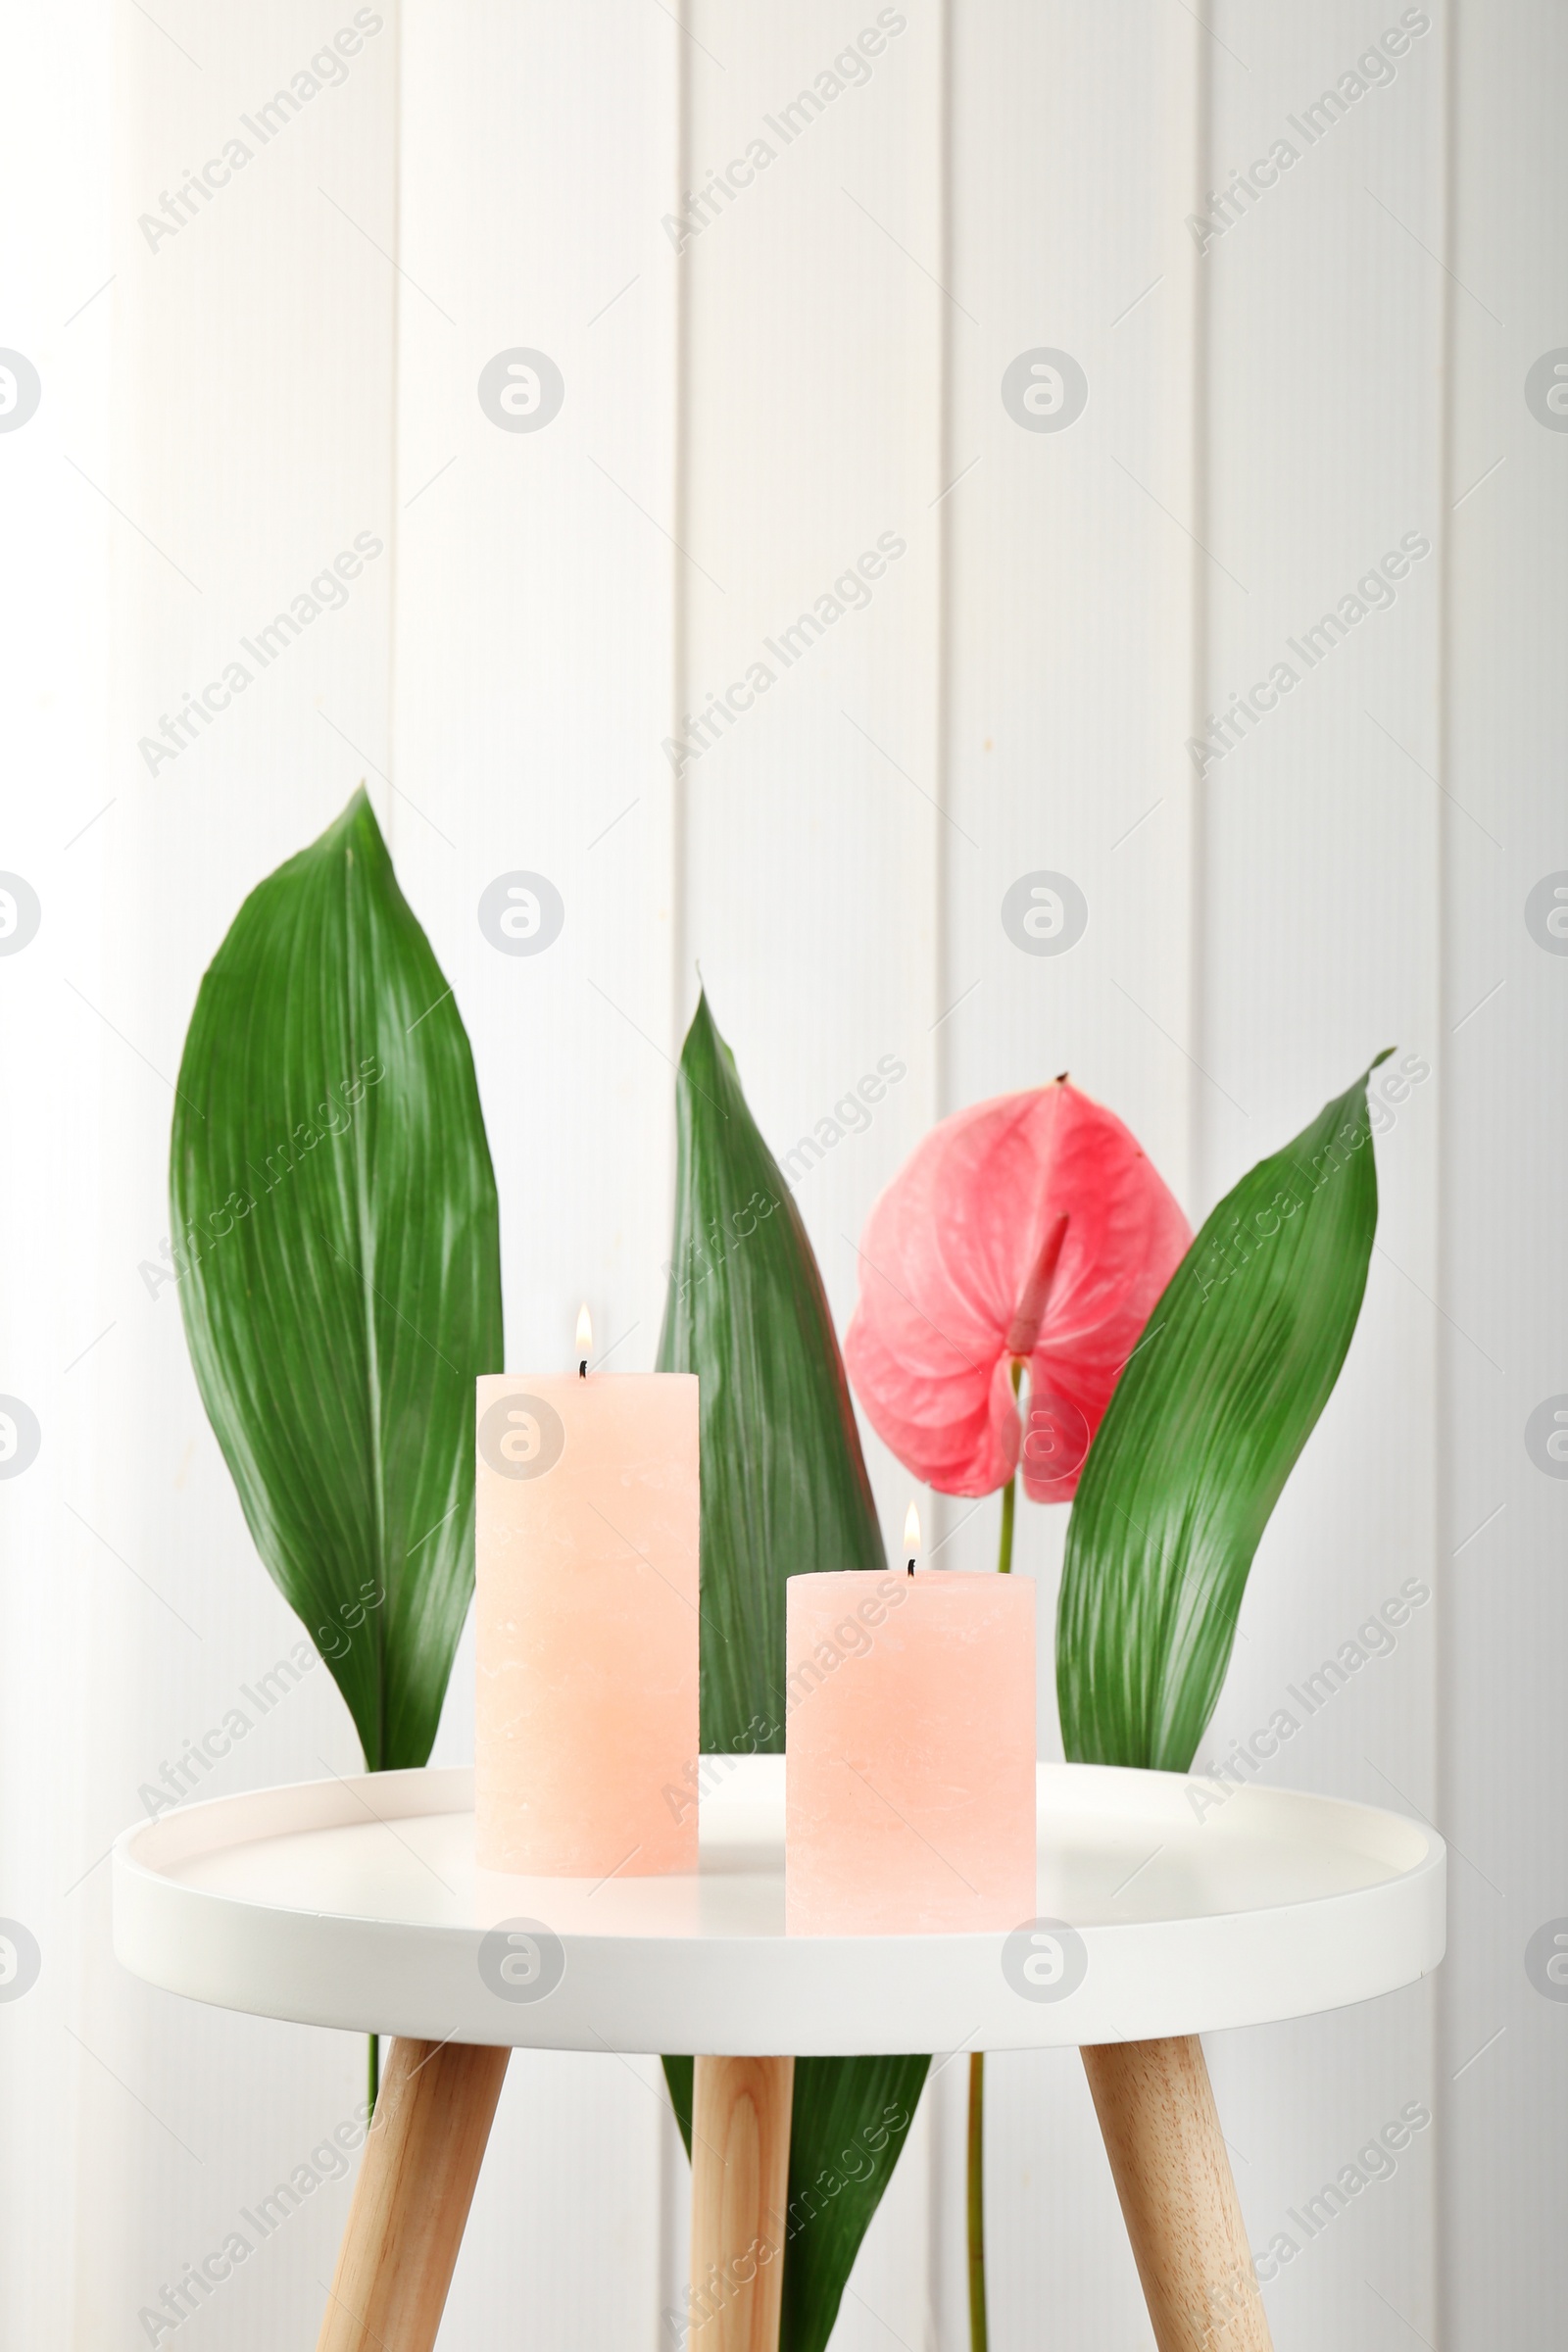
[(1010, 1497), (373, 2075), (978, 2331)]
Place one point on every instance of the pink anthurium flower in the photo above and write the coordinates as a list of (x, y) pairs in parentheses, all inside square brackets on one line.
[(1031, 1229)]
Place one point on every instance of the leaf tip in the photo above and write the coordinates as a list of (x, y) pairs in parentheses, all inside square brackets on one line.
[(357, 820)]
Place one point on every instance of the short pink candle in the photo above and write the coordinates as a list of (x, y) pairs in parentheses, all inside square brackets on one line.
[(587, 1623), (909, 1741)]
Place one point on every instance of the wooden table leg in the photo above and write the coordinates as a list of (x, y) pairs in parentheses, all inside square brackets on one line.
[(1169, 2159), (422, 2159), (740, 2194)]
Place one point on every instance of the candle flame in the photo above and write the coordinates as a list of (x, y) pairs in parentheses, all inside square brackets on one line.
[(585, 1330), (912, 1530)]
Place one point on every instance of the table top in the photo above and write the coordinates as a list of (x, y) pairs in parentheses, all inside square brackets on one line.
[(1164, 1906)]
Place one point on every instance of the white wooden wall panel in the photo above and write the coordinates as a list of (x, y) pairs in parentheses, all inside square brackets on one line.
[(811, 434), (811, 437), (1071, 615), (253, 442), (536, 627), (54, 617), (1503, 2043), (1318, 947), (819, 363)]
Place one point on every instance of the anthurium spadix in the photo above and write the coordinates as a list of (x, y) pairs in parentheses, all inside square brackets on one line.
[(1029, 1230)]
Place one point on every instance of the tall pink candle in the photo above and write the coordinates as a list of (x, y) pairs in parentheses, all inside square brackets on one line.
[(910, 1742), (587, 1623)]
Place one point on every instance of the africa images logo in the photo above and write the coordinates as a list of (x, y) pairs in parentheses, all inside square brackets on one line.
[(521, 390), (521, 1436), (521, 1960), (522, 913), (1044, 1960)]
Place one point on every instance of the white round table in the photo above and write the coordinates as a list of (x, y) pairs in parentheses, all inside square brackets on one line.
[(1165, 1908)]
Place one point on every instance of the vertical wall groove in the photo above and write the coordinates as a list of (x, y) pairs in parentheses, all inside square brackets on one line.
[(1198, 1174), (674, 2168), (942, 909), (682, 685), (1447, 2233), (394, 455)]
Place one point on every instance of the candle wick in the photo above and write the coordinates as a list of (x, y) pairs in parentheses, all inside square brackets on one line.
[(582, 1369), (912, 1567)]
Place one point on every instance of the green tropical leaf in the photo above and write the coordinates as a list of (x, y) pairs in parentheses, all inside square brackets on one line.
[(1214, 1406), (338, 1238), (784, 1483), (784, 1492), (847, 2126), (850, 2120)]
